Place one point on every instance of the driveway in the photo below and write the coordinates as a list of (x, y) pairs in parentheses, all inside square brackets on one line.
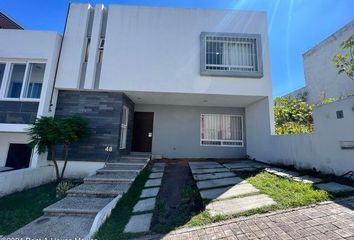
[(328, 220)]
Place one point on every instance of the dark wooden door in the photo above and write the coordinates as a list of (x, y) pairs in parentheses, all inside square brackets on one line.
[(142, 131)]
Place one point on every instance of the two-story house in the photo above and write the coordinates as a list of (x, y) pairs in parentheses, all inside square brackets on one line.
[(173, 82)]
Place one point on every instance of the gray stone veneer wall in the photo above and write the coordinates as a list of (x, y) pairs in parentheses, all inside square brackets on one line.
[(104, 112), (18, 112)]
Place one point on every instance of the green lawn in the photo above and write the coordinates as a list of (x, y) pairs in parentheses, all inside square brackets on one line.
[(287, 193), (18, 209), (114, 226)]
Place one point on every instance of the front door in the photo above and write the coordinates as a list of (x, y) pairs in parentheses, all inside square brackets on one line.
[(142, 131)]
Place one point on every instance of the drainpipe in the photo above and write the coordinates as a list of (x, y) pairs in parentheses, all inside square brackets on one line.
[(56, 69)]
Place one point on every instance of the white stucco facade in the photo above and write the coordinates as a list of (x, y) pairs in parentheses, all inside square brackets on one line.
[(321, 76), (157, 49)]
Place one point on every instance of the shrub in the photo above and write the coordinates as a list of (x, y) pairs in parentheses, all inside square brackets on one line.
[(62, 188), (292, 115)]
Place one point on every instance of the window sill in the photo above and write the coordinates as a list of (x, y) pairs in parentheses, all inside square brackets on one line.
[(219, 73), (20, 99)]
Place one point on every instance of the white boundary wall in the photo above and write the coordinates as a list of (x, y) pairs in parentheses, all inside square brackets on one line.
[(320, 150), (18, 180)]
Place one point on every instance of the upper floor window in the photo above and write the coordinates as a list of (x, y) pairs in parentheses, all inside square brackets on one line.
[(230, 54), (23, 80), (2, 72)]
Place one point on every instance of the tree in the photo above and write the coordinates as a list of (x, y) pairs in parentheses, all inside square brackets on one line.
[(292, 115), (48, 132), (345, 63)]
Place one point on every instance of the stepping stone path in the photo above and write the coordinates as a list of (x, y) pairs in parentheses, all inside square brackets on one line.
[(238, 205), (329, 187), (141, 222), (246, 165), (219, 182), (334, 187), (293, 175), (74, 215)]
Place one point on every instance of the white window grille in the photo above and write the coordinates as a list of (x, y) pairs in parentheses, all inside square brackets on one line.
[(221, 130), (231, 54), (124, 128)]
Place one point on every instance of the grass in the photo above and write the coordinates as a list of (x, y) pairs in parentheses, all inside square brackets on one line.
[(18, 209), (114, 226), (287, 193)]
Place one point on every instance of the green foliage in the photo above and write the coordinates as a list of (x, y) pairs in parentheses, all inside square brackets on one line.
[(48, 132), (327, 100), (345, 63), (292, 115), (62, 188), (21, 208)]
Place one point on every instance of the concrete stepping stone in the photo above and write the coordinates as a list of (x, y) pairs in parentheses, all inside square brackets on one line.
[(153, 182), (150, 192), (145, 205), (77, 206), (207, 176), (202, 165), (159, 164), (213, 183), (99, 189), (238, 205), (228, 192), (209, 170), (138, 223), (157, 169), (334, 187), (156, 175), (307, 179), (244, 165), (111, 177), (282, 173), (55, 227)]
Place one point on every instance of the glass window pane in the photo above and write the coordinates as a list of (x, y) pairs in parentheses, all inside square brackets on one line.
[(34, 80), (16, 80), (2, 70)]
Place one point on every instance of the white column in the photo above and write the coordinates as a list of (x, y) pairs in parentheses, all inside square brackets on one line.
[(73, 48), (93, 50)]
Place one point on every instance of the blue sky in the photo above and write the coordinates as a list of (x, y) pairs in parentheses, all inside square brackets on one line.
[(294, 25)]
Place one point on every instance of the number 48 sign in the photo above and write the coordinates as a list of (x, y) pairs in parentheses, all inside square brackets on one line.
[(108, 149)]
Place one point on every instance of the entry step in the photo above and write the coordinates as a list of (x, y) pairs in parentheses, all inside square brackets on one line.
[(77, 206), (111, 177), (99, 189)]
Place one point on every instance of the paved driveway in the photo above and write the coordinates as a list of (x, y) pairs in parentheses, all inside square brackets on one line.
[(330, 220)]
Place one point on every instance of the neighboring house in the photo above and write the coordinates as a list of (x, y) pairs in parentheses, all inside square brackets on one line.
[(7, 23), (175, 82), (321, 76), (27, 70)]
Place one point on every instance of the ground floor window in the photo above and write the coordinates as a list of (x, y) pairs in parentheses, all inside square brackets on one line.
[(221, 130), (124, 128), (18, 156)]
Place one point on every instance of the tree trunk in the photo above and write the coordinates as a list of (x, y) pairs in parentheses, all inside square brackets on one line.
[(66, 149), (55, 163)]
